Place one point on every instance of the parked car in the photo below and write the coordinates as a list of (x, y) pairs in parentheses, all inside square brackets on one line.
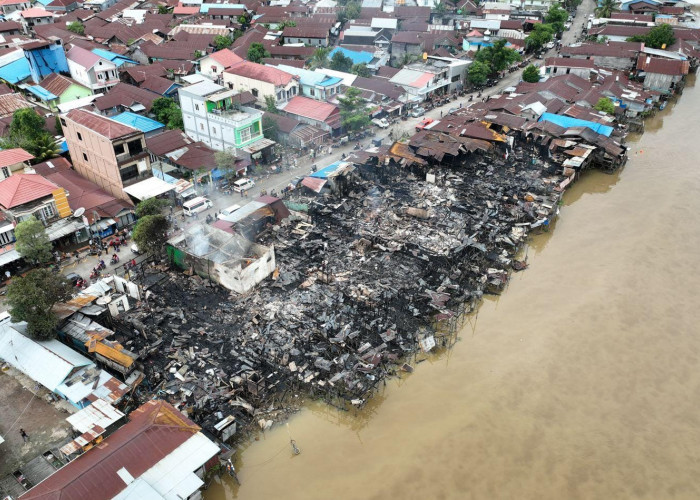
[(243, 184), (196, 205), (452, 110), (424, 123), (228, 211), (381, 122), (550, 45), (417, 112), (73, 278)]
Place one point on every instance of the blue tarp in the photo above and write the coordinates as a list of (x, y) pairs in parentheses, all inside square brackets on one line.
[(358, 57), (326, 171), (139, 122), (63, 146), (568, 122), (41, 93), (111, 56), (16, 71)]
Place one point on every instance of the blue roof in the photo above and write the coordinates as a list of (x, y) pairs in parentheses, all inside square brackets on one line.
[(63, 146), (308, 77), (332, 80), (44, 2), (326, 171), (358, 57), (16, 71), (138, 122), (111, 56), (41, 93), (568, 122)]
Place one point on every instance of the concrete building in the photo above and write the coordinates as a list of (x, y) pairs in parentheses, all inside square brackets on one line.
[(228, 259), (315, 36), (45, 58), (160, 454), (106, 152), (211, 116), (91, 70), (35, 16), (13, 160), (314, 84), (261, 81), (213, 65), (421, 81), (556, 66), (10, 6)]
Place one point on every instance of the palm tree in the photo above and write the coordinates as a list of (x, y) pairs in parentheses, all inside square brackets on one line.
[(44, 148), (606, 8), (320, 58)]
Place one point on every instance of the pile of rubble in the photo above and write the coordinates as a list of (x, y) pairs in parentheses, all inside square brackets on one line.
[(361, 281)]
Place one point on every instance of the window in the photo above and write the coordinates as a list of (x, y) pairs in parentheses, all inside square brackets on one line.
[(332, 90), (254, 92), (47, 212), (246, 134), (196, 107), (85, 157), (119, 149), (129, 172), (213, 69), (201, 126), (135, 147), (5, 172), (80, 137), (312, 92), (7, 237), (213, 130), (63, 122)]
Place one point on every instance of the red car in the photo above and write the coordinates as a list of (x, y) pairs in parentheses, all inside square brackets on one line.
[(423, 123)]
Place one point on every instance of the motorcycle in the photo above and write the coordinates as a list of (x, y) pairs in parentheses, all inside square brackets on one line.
[(209, 219), (95, 274), (115, 258)]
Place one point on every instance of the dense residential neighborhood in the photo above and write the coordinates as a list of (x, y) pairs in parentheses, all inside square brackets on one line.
[(206, 207)]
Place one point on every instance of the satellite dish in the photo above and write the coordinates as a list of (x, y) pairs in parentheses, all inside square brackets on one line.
[(103, 301), (79, 212)]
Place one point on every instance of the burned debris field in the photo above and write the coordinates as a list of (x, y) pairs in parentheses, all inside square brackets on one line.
[(382, 263)]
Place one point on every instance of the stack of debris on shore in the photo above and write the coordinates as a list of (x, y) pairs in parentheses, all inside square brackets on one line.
[(372, 260)]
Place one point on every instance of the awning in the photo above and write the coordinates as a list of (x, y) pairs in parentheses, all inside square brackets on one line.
[(6, 228), (64, 227), (9, 256), (313, 183), (101, 225), (149, 188), (258, 146)]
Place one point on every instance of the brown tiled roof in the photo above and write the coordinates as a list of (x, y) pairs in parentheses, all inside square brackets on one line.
[(123, 94), (305, 32), (295, 63), (9, 103), (244, 98), (285, 124), (198, 155), (568, 62), (142, 71), (9, 26), (57, 84), (173, 50), (100, 124), (662, 66), (283, 50), (408, 12), (154, 430), (157, 84), (167, 141)]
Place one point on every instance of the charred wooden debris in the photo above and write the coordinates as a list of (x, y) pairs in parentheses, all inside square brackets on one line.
[(370, 269)]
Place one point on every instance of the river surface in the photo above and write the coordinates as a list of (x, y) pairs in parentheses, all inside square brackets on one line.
[(581, 381)]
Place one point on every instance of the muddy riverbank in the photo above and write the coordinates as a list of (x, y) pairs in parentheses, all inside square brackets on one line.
[(578, 382)]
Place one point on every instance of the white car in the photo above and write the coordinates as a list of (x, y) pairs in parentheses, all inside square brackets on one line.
[(243, 184), (381, 122)]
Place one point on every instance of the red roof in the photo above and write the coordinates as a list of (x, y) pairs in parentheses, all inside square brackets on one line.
[(260, 72), (83, 57), (155, 430), (309, 108), (35, 12), (100, 124), (19, 189), (12, 156), (226, 57), (569, 62), (662, 66), (180, 10)]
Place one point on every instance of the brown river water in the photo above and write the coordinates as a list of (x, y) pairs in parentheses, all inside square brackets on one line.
[(581, 381)]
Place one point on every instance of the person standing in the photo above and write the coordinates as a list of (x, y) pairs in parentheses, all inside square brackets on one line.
[(24, 435)]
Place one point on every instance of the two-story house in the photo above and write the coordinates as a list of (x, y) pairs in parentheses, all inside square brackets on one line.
[(308, 35), (91, 70), (34, 17), (313, 84), (30, 195), (261, 81), (106, 152), (10, 6), (212, 116), (213, 65)]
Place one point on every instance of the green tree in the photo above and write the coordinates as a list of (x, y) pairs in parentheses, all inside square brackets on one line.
[(556, 17), (498, 56), (164, 9), (320, 58), (340, 62), (44, 148), (606, 105), (286, 23), (32, 241), (226, 163), (257, 52), (540, 36), (441, 8), (151, 206), (59, 126), (151, 233), (353, 9), (198, 54), (606, 8), (658, 37), (271, 104), (31, 298), (76, 27), (361, 69), (168, 113), (270, 128), (531, 74), (353, 110), (222, 42), (478, 72)]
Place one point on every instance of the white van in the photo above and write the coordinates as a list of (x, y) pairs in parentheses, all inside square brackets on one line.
[(197, 205), (242, 184), (228, 211)]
